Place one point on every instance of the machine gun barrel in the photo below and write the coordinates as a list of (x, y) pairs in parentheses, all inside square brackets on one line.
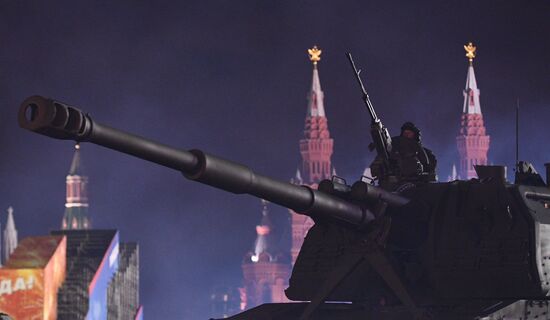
[(59, 120), (366, 98), (381, 140)]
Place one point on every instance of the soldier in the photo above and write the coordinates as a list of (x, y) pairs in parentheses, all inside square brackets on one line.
[(409, 160)]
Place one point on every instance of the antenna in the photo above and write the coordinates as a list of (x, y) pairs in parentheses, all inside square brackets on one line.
[(517, 134)]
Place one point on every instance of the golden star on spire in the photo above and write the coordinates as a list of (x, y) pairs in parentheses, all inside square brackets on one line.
[(470, 52), (314, 55)]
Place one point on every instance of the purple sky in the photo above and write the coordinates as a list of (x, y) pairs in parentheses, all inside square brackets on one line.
[(230, 77)]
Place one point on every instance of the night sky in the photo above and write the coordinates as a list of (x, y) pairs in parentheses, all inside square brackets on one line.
[(231, 77)]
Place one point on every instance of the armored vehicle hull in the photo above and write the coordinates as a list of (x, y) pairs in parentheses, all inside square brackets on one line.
[(455, 250)]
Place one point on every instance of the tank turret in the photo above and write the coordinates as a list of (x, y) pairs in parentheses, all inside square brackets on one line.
[(454, 250)]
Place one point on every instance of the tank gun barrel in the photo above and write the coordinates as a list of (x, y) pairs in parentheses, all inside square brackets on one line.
[(59, 120)]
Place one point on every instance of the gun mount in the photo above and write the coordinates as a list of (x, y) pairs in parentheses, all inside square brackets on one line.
[(455, 250)]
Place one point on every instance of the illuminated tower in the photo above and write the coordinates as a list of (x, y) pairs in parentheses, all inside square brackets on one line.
[(316, 150), (472, 141), (10, 236), (265, 272), (76, 206)]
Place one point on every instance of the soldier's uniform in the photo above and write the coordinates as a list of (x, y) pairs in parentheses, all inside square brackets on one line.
[(410, 162)]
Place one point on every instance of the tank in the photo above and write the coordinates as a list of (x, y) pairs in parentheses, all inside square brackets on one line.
[(456, 250)]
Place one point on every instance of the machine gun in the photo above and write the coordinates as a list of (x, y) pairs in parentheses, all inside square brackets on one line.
[(381, 139), (454, 250)]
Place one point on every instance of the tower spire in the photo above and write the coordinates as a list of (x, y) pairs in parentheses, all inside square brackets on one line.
[(315, 106), (472, 140), (471, 92), (76, 205), (10, 236), (262, 244)]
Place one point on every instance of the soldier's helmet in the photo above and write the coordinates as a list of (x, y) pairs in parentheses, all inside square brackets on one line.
[(410, 126)]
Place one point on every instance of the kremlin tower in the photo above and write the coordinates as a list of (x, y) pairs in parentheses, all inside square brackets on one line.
[(76, 205), (472, 141), (316, 151), (265, 272)]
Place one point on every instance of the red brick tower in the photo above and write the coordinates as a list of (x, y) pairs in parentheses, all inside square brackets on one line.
[(265, 272), (472, 141), (316, 150)]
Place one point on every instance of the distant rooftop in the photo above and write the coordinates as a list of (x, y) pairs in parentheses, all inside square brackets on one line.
[(86, 246), (33, 252)]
